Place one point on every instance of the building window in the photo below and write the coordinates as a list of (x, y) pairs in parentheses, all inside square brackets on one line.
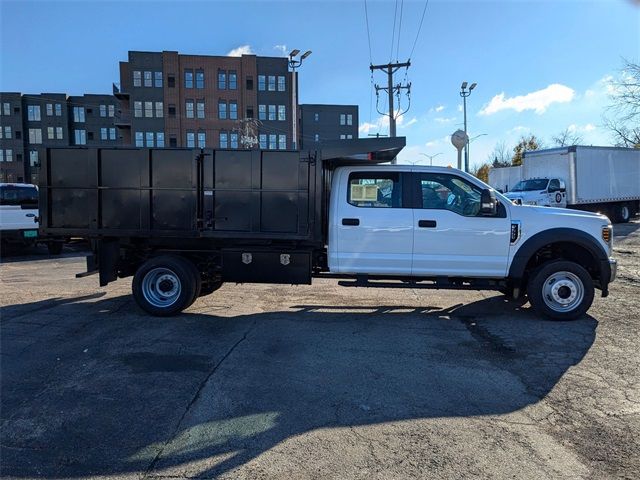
[(172, 110), (233, 80), (224, 143), (222, 80), (281, 83), (233, 110), (159, 109), (33, 158), (234, 140), (148, 109), (112, 111), (316, 117), (171, 81), (148, 139), (282, 142), (272, 83), (199, 79), (349, 119), (50, 133), (33, 113), (137, 109), (202, 140), (148, 79), (160, 139), (249, 83), (59, 133), (78, 114), (281, 112), (343, 137), (139, 139), (343, 119), (261, 83), (49, 109), (191, 140), (103, 133), (262, 112), (80, 137), (316, 137), (222, 110), (8, 155), (18, 134), (7, 132), (173, 141), (272, 112), (137, 78), (200, 109), (157, 79), (112, 133), (2, 160), (189, 108), (272, 141), (58, 109), (0, 133), (35, 135), (6, 107), (349, 137), (103, 110), (188, 79), (249, 112), (263, 141)]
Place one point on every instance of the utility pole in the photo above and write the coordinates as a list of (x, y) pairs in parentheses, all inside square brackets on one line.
[(391, 89), (293, 64), (464, 93)]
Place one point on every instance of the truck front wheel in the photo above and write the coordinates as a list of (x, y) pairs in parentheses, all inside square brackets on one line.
[(165, 285), (561, 290)]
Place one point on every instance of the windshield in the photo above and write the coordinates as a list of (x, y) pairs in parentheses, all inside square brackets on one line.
[(530, 185), (18, 195)]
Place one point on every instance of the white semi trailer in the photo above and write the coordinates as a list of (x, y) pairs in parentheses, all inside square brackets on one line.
[(597, 179)]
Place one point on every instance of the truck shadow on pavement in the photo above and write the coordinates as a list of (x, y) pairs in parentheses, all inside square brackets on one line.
[(101, 389)]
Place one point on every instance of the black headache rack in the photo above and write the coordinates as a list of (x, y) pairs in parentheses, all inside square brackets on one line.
[(197, 198)]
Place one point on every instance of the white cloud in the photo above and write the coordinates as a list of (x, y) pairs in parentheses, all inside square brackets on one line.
[(413, 121), (241, 50), (460, 107), (519, 129), (382, 123), (445, 119), (589, 127), (537, 101), (281, 48), (437, 109)]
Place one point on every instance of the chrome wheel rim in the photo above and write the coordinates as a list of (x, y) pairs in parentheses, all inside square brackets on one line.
[(161, 287), (563, 291)]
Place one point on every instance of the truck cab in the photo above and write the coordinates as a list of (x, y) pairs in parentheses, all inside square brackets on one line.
[(18, 213), (546, 192)]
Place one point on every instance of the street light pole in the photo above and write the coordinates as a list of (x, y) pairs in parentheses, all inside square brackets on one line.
[(431, 157), (464, 93), (293, 64)]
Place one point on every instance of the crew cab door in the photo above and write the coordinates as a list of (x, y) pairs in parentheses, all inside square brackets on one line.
[(451, 237), (371, 230)]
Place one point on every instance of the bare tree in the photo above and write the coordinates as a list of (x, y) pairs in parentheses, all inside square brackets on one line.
[(500, 156), (566, 137), (623, 115)]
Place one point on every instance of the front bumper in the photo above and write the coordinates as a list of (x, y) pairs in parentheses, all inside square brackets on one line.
[(613, 265)]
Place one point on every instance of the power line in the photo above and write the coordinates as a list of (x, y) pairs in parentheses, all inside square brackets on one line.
[(426, 4), (399, 30), (366, 16), (393, 32)]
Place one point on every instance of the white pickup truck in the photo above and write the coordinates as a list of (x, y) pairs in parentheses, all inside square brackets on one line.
[(196, 220), (18, 213)]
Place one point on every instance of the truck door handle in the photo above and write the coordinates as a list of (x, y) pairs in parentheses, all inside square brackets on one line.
[(350, 221), (427, 223)]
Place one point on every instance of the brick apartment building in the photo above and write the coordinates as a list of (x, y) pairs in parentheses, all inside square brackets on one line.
[(173, 100), (166, 99)]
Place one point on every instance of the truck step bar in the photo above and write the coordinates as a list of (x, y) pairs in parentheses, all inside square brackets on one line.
[(434, 283)]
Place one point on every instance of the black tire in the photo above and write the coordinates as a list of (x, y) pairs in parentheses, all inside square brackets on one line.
[(624, 213), (164, 286), (209, 288), (568, 279), (55, 248)]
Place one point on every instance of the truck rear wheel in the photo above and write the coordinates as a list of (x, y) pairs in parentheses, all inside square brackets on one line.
[(561, 290), (623, 213), (166, 285)]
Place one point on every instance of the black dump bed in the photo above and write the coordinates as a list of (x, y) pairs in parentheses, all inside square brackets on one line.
[(236, 194)]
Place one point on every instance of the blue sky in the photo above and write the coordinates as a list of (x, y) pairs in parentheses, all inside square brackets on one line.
[(540, 66)]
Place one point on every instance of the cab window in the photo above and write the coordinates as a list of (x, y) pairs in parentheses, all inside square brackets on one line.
[(17, 195), (375, 190), (447, 192)]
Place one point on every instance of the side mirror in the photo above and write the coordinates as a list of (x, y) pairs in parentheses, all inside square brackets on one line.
[(488, 203)]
